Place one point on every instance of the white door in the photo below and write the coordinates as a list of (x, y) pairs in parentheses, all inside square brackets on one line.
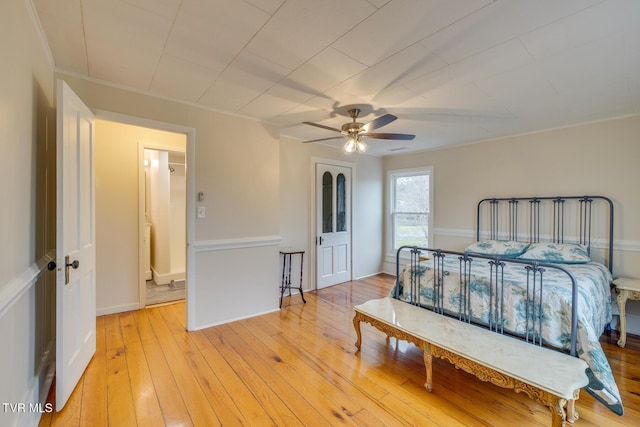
[(75, 246), (333, 221)]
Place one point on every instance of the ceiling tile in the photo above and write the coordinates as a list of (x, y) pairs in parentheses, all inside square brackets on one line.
[(300, 29), (212, 33), (164, 8), (109, 29), (180, 79), (378, 3), (249, 75), (588, 67), (266, 106), (129, 68), (597, 22), (401, 23), (228, 96), (499, 59), (325, 70), (402, 67), (518, 85), (497, 23), (269, 6)]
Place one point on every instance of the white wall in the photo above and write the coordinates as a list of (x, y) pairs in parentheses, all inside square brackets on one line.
[(27, 215), (596, 159), (296, 182)]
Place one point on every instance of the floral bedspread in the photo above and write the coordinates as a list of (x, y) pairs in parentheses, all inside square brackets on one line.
[(594, 309)]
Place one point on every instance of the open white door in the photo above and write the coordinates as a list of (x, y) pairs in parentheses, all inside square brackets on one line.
[(333, 222), (75, 246)]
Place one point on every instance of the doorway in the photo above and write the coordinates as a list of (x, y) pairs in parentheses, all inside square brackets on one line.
[(164, 195), (120, 205), (333, 224)]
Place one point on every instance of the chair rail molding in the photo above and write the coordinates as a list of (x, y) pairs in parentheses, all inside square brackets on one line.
[(237, 243), (15, 288)]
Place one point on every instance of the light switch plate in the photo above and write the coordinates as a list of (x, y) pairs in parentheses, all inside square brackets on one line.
[(202, 212)]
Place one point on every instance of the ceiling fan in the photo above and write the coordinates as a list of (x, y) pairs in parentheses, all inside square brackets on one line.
[(355, 131)]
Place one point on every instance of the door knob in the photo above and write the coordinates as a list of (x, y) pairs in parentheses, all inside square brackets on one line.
[(75, 264)]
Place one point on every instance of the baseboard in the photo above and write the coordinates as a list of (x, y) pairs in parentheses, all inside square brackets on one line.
[(233, 320), (368, 275), (165, 279), (117, 309), (633, 323)]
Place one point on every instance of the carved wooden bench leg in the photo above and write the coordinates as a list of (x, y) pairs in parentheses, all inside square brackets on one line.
[(428, 364), (558, 414), (572, 414), (356, 325)]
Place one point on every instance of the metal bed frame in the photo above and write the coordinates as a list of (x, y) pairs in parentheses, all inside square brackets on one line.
[(557, 207)]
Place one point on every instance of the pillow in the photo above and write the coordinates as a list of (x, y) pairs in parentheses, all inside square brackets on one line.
[(566, 253), (503, 248)]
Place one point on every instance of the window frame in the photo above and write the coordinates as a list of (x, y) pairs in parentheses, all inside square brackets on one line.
[(392, 176)]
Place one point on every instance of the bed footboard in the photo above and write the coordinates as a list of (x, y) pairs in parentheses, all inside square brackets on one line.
[(431, 271)]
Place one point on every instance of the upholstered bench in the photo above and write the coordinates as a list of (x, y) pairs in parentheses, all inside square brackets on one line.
[(550, 377)]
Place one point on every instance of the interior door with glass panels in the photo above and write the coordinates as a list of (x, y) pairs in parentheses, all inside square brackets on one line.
[(333, 221)]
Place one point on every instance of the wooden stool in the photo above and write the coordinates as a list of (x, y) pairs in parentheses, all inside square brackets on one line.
[(625, 289)]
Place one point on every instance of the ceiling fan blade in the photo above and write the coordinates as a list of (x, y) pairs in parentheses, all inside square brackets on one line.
[(322, 126), (323, 139), (402, 136), (379, 122)]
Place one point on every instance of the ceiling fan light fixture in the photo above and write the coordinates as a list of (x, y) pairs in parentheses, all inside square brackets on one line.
[(355, 132), (351, 145), (361, 146)]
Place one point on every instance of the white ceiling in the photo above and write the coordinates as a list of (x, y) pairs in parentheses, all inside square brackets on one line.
[(453, 71)]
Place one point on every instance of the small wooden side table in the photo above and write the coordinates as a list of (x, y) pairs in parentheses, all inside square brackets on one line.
[(287, 254), (625, 289)]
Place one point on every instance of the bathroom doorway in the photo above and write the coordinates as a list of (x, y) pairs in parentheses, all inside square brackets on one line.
[(164, 197)]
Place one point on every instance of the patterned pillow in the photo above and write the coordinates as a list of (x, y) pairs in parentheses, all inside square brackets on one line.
[(503, 248), (566, 253)]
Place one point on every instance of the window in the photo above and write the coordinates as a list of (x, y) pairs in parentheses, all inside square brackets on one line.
[(410, 206)]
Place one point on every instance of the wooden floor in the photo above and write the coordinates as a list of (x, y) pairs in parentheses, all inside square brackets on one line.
[(298, 366)]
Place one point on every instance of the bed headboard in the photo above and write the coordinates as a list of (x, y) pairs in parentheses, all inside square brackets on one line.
[(560, 219)]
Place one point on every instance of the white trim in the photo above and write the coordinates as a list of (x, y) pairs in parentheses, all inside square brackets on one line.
[(369, 275), (626, 245), (390, 196), (117, 309), (11, 292), (165, 279), (127, 119), (156, 96), (454, 232), (620, 245), (313, 256), (35, 19), (238, 243), (199, 327)]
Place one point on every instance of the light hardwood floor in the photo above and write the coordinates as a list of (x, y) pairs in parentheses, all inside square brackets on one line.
[(298, 366)]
